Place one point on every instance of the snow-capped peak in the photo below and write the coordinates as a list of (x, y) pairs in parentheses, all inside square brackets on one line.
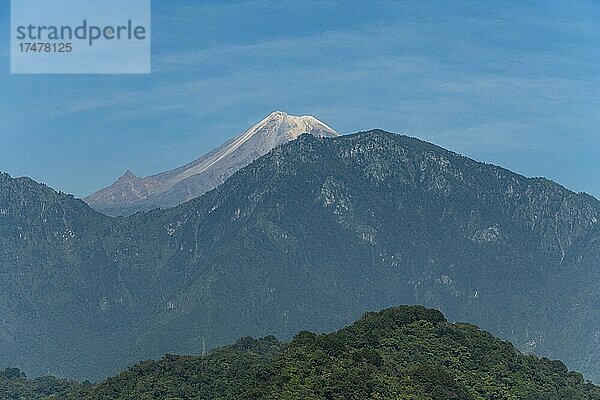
[(191, 180), (289, 127), (275, 129)]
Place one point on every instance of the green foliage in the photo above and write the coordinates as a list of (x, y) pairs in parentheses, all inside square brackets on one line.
[(14, 385), (398, 353)]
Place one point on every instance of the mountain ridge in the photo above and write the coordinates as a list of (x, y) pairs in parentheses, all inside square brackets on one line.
[(314, 233)]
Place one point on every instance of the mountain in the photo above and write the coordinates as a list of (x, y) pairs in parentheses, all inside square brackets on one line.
[(307, 237), (53, 272), (130, 193), (401, 352)]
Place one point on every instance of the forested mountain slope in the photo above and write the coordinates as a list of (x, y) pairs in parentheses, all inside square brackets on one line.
[(307, 237)]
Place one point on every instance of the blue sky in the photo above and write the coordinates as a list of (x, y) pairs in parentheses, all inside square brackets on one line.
[(511, 83)]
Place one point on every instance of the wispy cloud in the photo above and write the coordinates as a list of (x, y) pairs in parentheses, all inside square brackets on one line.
[(481, 79)]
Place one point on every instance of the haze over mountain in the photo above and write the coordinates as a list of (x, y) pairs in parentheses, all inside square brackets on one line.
[(130, 193), (398, 353), (309, 236)]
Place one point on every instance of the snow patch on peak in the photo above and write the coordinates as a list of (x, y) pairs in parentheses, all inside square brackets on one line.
[(277, 114)]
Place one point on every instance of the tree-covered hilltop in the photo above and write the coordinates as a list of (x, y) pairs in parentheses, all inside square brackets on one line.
[(406, 352)]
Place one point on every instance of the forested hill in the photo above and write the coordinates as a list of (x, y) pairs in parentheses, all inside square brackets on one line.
[(406, 352)]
